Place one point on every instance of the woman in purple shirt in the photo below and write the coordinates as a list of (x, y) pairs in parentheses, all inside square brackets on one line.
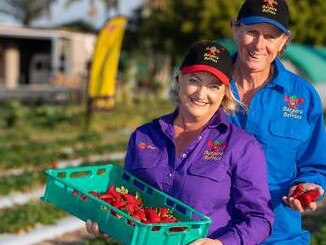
[(196, 155)]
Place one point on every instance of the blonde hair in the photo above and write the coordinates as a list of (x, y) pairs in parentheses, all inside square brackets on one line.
[(229, 104)]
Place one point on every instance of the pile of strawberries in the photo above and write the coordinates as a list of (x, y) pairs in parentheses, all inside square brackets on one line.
[(305, 196), (133, 205)]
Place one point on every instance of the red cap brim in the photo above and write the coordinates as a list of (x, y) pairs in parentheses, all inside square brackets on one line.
[(217, 73)]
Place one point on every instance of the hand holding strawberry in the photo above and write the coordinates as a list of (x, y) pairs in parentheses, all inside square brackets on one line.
[(303, 196)]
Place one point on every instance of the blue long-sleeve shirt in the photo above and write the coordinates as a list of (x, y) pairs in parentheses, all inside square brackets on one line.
[(222, 173), (286, 117)]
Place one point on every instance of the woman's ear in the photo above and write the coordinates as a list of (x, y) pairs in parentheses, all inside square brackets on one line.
[(177, 78)]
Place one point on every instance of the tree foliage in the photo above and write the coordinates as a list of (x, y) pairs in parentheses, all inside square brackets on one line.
[(26, 11), (179, 23), (182, 22), (307, 21)]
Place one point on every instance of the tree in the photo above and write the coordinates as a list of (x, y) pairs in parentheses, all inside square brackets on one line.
[(182, 22), (307, 21), (92, 11), (79, 26), (26, 11), (175, 27)]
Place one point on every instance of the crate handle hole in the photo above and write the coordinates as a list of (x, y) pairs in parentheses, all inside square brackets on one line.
[(101, 171), (139, 185), (170, 203), (115, 214), (80, 174), (125, 176), (62, 175), (181, 209), (104, 208), (156, 228), (150, 191), (177, 229)]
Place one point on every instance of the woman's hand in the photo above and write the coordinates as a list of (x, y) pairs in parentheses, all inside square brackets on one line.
[(295, 203), (206, 241), (92, 228)]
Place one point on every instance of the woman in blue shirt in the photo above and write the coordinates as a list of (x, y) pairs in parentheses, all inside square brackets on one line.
[(196, 155), (283, 111)]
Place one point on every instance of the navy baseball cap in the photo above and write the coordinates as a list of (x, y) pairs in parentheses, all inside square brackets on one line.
[(274, 12)]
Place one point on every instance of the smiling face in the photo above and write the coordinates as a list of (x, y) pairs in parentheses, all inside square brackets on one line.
[(258, 45), (200, 95)]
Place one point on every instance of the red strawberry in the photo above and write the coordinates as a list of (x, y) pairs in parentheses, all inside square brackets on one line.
[(140, 215), (129, 198), (297, 191), (304, 199), (163, 211), (111, 189), (118, 204), (131, 223), (314, 194), (152, 216), (130, 207), (105, 196), (83, 196), (170, 219), (94, 193)]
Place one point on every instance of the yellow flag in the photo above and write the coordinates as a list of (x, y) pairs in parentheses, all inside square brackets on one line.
[(102, 83)]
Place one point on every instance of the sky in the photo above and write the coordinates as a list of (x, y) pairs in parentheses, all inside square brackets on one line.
[(79, 10)]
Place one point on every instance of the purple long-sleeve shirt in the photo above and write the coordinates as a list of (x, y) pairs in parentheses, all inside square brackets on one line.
[(222, 174)]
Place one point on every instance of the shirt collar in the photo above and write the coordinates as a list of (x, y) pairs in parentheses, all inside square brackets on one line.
[(280, 78)]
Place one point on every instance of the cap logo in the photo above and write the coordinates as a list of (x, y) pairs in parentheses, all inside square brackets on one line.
[(212, 54), (269, 7)]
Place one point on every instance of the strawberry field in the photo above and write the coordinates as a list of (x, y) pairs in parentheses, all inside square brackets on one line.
[(33, 139)]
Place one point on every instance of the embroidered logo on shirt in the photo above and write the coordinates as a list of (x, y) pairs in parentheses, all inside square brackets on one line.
[(216, 150), (143, 145), (291, 108), (269, 6)]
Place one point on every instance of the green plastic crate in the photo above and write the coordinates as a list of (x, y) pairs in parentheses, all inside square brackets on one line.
[(68, 189)]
